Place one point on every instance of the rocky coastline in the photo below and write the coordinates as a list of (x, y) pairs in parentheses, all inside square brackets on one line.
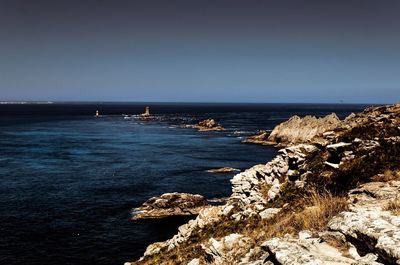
[(330, 196)]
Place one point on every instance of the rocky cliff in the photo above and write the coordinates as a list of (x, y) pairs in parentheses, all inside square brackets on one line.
[(333, 199), (296, 130)]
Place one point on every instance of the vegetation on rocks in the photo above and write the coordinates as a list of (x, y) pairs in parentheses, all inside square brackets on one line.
[(331, 200), (394, 206)]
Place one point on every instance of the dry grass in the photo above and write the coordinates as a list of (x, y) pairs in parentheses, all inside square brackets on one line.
[(388, 175), (342, 246), (264, 188), (308, 212), (313, 213), (394, 206)]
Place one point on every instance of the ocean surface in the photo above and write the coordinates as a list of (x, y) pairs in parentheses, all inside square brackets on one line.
[(69, 181)]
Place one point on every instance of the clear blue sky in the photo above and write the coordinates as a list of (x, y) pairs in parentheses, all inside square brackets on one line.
[(202, 51)]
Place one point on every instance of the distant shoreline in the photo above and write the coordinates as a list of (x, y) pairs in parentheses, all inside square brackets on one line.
[(24, 102)]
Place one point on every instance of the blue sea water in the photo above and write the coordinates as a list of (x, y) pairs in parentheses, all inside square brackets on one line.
[(68, 181)]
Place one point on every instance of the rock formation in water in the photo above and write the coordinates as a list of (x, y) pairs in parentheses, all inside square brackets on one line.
[(296, 130), (170, 204), (261, 138), (207, 125), (223, 170), (334, 199)]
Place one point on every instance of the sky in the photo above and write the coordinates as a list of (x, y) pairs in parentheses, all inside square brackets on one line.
[(200, 51)]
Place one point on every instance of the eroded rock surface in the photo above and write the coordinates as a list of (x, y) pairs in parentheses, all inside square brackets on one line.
[(170, 204), (296, 130), (302, 130), (368, 225)]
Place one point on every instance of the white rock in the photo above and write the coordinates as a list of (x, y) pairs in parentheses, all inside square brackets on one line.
[(304, 235), (227, 210), (194, 262), (269, 213), (335, 166), (338, 145)]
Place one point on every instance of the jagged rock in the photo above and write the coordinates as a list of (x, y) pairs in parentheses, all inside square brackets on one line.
[(293, 251), (223, 170), (207, 125), (154, 248), (261, 138), (274, 190), (368, 225), (228, 249), (170, 204), (269, 213), (206, 217), (302, 130), (227, 210)]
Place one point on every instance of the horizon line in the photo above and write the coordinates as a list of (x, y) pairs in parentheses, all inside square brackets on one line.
[(49, 102)]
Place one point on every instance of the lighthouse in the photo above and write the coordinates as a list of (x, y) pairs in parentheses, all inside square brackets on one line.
[(146, 112), (97, 114)]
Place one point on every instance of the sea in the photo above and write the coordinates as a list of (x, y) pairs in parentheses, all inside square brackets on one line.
[(69, 181)]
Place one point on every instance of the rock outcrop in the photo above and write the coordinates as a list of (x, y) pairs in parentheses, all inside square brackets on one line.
[(223, 170), (296, 130), (330, 199), (170, 204), (368, 225), (301, 130), (207, 125), (261, 138)]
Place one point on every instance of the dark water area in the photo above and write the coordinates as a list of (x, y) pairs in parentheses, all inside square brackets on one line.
[(68, 181)]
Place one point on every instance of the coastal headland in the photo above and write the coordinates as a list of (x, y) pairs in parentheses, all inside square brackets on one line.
[(330, 196)]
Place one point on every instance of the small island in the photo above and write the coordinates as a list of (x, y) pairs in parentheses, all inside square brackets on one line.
[(207, 125)]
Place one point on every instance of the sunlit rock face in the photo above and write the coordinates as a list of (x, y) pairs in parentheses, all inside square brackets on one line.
[(302, 130)]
